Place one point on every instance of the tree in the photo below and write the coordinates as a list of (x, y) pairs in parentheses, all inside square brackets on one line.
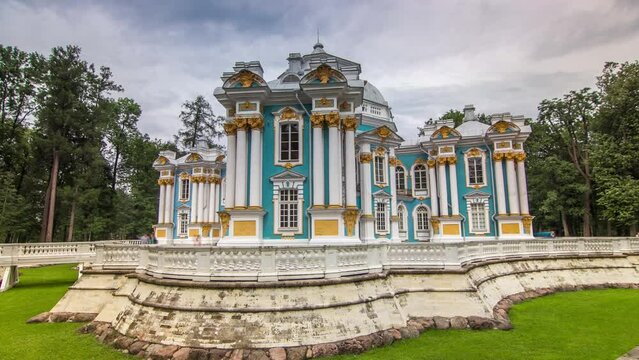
[(122, 127), (199, 123), (70, 115), (617, 144), (569, 123)]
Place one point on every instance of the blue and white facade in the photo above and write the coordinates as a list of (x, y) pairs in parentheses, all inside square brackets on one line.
[(314, 157)]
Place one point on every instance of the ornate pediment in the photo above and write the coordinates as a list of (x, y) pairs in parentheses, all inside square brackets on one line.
[(161, 160), (381, 194), (476, 195), (244, 79), (445, 132), (503, 127), (383, 134), (193, 157), (323, 74), (288, 113), (287, 175)]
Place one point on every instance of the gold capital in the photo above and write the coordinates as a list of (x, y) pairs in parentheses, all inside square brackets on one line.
[(350, 123), (333, 119), (365, 157), (317, 120), (230, 128), (498, 156), (256, 122)]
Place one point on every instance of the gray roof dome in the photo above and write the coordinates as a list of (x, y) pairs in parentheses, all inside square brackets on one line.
[(371, 93)]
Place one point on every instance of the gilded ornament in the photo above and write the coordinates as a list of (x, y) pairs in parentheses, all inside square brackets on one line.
[(365, 157), (288, 165), (501, 126), (323, 73), (433, 152), (224, 221), (288, 114), (248, 106), (510, 155), (241, 123), (447, 149), (246, 78), (324, 102), (498, 156), (345, 106), (333, 119), (350, 123), (520, 157), (220, 158), (383, 132), (231, 112), (431, 163), (503, 145), (198, 179), (452, 160), (193, 158), (435, 224), (420, 161), (317, 120), (161, 160), (230, 128), (350, 220), (380, 151), (184, 176), (256, 122), (393, 161), (474, 152), (527, 222), (442, 160)]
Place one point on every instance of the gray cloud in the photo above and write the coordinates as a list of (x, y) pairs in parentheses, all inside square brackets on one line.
[(425, 56)]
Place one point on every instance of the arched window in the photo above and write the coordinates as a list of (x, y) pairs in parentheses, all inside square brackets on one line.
[(403, 221), (421, 218), (289, 138), (420, 180), (400, 180)]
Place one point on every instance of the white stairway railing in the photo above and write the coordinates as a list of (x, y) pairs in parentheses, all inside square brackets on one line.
[(270, 263)]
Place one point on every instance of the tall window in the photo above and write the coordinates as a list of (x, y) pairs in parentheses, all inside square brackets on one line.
[(288, 209), (422, 219), (401, 213), (183, 223), (478, 218), (475, 170), (400, 179), (421, 178), (185, 189), (381, 224), (289, 142), (379, 170)]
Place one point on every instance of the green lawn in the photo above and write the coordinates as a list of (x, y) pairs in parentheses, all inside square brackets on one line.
[(597, 324), (39, 289)]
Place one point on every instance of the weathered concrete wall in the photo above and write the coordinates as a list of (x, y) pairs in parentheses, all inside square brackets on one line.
[(288, 314)]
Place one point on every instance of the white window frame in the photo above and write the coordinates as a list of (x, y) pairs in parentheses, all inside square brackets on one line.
[(421, 234), (381, 216), (403, 221), (378, 154), (184, 233), (422, 192), (478, 200), (277, 123), (467, 156), (286, 181), (188, 189), (404, 183), (382, 197)]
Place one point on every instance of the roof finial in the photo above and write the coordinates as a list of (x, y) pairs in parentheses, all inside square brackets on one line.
[(318, 47)]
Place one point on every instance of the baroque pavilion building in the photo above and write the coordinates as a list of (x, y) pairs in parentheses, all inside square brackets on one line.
[(313, 156)]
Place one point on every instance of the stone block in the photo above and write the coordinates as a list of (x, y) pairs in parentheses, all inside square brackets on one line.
[(296, 353), (40, 318), (219, 354), (160, 352), (256, 354), (123, 342), (137, 347), (480, 323), (409, 332), (320, 350), (278, 353), (441, 322), (458, 322)]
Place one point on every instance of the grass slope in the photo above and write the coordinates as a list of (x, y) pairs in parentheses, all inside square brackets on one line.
[(593, 324), (597, 324), (39, 289)]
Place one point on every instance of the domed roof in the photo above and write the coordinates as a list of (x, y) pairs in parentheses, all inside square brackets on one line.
[(371, 93)]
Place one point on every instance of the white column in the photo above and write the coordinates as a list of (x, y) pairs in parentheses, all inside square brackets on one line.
[(452, 169), (256, 163), (365, 158), (161, 204), (200, 201), (443, 187), (215, 196), (511, 177), (349, 167), (229, 188), (432, 181), (208, 212), (194, 199), (240, 165), (499, 183), (521, 183), (334, 171), (168, 203), (392, 162), (318, 159)]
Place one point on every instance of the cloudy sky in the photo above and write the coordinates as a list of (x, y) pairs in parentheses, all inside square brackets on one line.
[(425, 56)]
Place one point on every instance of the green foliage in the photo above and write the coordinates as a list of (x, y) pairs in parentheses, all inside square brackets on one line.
[(198, 123), (38, 291), (593, 324)]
